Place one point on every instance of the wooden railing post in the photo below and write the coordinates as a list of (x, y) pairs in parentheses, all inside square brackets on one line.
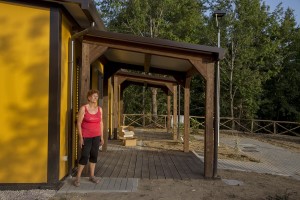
[(275, 128)]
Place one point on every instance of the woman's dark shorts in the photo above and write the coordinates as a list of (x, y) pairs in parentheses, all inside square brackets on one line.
[(89, 150)]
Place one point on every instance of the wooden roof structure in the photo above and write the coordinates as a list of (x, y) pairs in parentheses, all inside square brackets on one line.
[(177, 59)]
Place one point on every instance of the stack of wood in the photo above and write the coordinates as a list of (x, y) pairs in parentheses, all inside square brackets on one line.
[(126, 132)]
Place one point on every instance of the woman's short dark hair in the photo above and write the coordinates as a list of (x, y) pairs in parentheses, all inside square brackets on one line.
[(91, 92)]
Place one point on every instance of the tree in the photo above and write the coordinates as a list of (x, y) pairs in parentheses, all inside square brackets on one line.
[(179, 20), (252, 55), (281, 97)]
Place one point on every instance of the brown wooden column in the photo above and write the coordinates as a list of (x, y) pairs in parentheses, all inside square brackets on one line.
[(169, 112), (174, 112), (105, 114), (85, 74), (209, 119), (115, 107), (186, 114)]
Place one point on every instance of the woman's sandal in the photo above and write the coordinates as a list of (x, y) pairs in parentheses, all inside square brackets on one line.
[(94, 180), (77, 183)]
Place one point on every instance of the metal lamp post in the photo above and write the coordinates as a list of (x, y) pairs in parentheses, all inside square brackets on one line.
[(217, 14)]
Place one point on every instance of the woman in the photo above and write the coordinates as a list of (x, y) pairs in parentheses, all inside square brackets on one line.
[(90, 132)]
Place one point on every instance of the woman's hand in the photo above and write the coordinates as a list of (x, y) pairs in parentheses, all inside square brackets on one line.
[(81, 142), (101, 141)]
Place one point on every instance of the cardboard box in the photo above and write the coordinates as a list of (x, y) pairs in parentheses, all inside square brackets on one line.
[(129, 142)]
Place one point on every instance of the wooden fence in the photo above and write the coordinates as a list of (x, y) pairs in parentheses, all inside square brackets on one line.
[(226, 123)]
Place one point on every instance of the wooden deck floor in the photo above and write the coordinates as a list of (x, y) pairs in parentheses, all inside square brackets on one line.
[(138, 162)]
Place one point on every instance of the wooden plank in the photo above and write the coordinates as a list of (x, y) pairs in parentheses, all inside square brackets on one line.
[(115, 159), (179, 161), (145, 165), (196, 167), (138, 165), (131, 167), (125, 164), (172, 167), (107, 165), (152, 168), (102, 158), (118, 166), (158, 165)]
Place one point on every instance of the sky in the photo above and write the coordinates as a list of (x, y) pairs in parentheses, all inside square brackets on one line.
[(293, 4)]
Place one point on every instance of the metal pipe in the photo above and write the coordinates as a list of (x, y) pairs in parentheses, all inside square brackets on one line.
[(178, 123)]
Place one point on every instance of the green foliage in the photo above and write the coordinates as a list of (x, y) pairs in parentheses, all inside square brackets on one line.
[(261, 70)]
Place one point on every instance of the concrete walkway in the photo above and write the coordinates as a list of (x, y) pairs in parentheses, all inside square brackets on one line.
[(273, 159)]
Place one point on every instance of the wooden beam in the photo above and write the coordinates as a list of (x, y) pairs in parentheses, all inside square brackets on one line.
[(142, 48), (85, 74), (96, 51), (209, 119), (175, 112), (187, 114), (192, 72), (200, 67), (147, 63), (170, 87), (121, 80)]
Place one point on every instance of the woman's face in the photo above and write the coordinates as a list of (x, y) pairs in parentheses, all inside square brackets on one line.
[(94, 98)]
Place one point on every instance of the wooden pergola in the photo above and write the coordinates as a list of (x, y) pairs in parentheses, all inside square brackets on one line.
[(167, 84), (179, 60)]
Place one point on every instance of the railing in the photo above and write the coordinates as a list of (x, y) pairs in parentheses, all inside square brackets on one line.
[(226, 123)]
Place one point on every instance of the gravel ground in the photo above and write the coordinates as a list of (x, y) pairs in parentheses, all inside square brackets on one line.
[(27, 194)]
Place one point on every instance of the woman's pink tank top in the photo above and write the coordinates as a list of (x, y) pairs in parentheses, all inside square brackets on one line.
[(90, 125)]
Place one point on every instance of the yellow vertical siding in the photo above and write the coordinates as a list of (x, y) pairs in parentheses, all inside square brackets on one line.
[(64, 119), (24, 83)]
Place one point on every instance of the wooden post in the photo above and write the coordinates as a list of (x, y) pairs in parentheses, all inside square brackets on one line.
[(115, 107), (85, 74), (275, 128), (121, 105), (209, 119), (187, 114), (168, 112), (252, 123), (105, 114), (174, 112)]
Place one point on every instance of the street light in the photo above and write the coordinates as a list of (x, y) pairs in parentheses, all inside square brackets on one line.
[(217, 14)]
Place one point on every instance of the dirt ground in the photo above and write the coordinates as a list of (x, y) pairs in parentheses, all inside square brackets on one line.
[(252, 186), (245, 185)]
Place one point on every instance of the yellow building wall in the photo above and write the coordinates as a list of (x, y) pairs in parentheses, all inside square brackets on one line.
[(24, 83), (64, 119)]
